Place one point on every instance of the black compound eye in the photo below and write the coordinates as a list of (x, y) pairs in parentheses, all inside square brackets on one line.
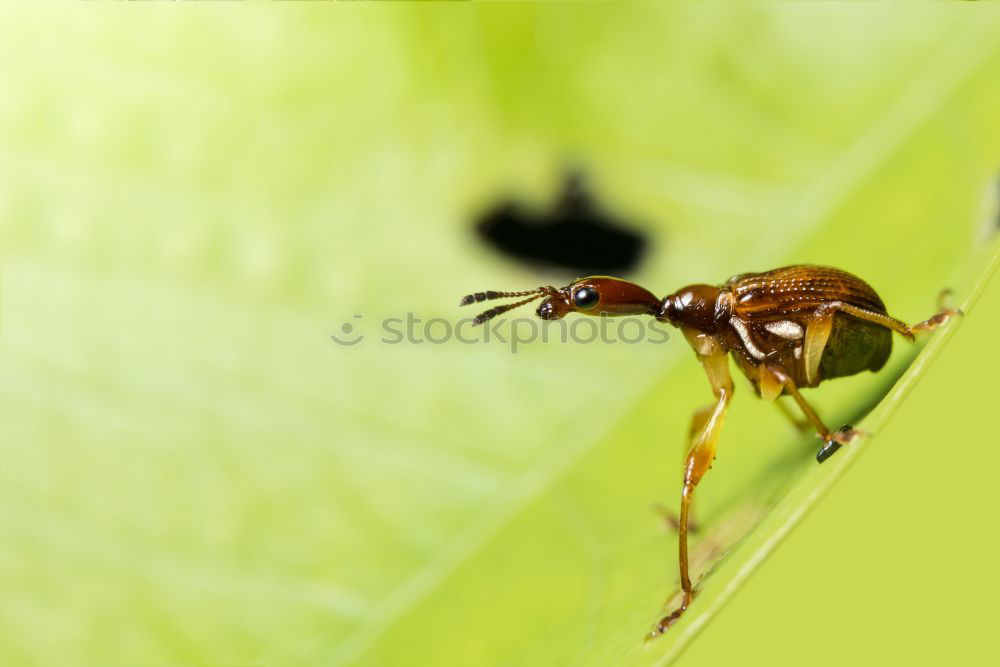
[(586, 298)]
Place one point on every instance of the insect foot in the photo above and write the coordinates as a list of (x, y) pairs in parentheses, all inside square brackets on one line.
[(665, 623), (844, 435)]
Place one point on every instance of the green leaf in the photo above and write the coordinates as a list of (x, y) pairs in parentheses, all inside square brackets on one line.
[(193, 472)]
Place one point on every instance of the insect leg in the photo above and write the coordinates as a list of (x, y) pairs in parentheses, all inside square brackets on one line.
[(698, 420), (817, 334), (795, 421), (936, 320), (832, 440), (699, 460), (892, 323)]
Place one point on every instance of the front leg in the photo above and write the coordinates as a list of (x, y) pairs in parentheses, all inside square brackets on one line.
[(698, 420), (699, 460)]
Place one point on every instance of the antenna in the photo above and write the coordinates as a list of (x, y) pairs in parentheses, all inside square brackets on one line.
[(488, 295), (499, 310)]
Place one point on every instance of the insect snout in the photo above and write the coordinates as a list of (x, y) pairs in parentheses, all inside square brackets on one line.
[(546, 311), (554, 308)]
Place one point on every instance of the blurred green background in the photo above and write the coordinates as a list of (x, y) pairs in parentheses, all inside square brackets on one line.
[(195, 197)]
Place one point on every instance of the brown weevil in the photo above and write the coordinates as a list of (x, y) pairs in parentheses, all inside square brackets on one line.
[(786, 329)]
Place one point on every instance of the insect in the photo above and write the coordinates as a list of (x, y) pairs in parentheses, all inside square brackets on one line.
[(786, 329)]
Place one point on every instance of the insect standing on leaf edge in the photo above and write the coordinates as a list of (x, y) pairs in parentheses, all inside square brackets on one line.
[(786, 329)]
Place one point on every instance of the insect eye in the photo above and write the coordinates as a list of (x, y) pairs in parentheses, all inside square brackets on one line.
[(586, 298)]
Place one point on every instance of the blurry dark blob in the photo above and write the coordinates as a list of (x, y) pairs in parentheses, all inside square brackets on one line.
[(576, 235)]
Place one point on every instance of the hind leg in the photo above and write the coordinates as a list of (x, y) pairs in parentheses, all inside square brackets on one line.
[(936, 320), (821, 325), (931, 323)]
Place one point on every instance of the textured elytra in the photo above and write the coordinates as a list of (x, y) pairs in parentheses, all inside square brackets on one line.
[(794, 289)]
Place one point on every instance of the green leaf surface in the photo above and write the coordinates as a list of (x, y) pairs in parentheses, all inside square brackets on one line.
[(194, 473)]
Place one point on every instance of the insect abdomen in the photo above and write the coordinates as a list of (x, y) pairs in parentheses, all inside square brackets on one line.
[(854, 346)]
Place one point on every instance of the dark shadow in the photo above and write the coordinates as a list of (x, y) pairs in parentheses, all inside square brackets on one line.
[(575, 235)]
